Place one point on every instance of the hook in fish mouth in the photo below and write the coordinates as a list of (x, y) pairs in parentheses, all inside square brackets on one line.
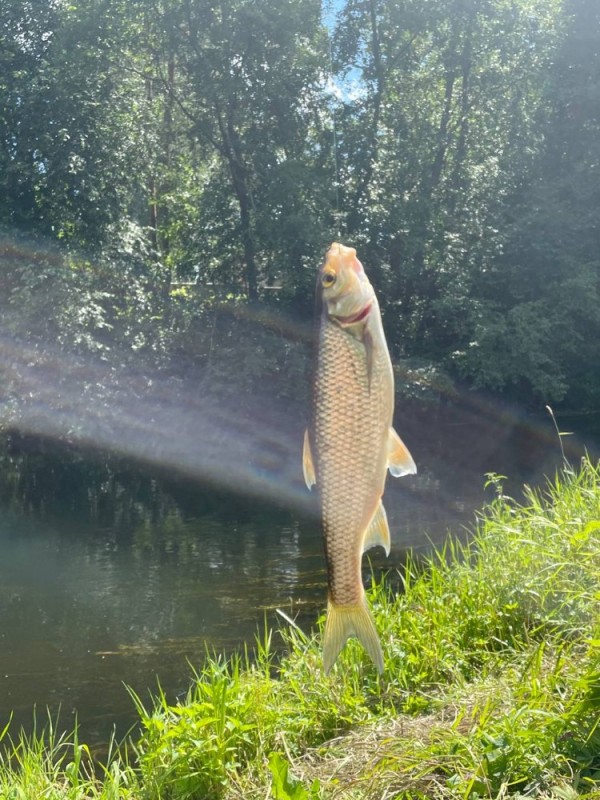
[(352, 318)]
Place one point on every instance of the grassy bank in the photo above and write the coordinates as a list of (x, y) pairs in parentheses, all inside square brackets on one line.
[(491, 687)]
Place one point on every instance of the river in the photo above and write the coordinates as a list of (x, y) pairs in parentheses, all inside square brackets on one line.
[(118, 572)]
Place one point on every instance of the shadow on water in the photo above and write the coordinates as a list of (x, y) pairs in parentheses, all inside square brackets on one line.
[(114, 572)]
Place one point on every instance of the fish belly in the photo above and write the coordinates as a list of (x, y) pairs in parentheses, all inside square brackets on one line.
[(352, 417)]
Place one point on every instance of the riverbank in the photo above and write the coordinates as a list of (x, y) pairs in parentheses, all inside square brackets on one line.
[(490, 688)]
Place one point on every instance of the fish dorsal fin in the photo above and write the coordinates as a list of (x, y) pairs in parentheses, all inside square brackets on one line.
[(308, 467), (400, 461), (378, 532)]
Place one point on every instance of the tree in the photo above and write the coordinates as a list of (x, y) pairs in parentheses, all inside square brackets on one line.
[(245, 76), (444, 129), (544, 289), (26, 33), (158, 140), (70, 138)]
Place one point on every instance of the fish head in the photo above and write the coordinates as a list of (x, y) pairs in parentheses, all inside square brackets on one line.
[(346, 292)]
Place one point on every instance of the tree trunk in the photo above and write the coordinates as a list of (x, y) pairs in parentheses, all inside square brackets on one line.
[(167, 140), (153, 219), (435, 174), (457, 182), (232, 149)]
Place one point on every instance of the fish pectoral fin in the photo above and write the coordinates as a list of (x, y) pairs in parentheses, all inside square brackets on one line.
[(400, 461), (346, 621), (378, 532), (308, 467)]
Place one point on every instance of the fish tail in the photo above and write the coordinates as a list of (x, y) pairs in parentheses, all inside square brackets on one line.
[(345, 621)]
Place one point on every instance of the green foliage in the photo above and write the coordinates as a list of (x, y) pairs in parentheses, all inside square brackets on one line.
[(68, 161), (61, 768), (454, 143), (516, 347), (285, 786), (194, 749)]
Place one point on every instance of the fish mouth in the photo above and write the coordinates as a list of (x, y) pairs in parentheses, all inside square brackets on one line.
[(352, 318)]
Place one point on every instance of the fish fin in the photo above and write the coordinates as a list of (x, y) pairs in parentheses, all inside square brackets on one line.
[(346, 621), (308, 467), (400, 461), (378, 531)]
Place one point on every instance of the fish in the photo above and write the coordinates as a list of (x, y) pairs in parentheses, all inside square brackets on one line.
[(350, 443)]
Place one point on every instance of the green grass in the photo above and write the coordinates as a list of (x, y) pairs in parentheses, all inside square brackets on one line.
[(491, 686), (49, 766)]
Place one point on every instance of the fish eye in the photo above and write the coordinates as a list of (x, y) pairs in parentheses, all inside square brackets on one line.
[(328, 279)]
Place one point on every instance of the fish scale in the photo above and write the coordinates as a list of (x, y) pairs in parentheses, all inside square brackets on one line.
[(350, 430)]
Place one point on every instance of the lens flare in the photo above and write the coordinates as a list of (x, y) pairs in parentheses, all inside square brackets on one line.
[(159, 420), (252, 447)]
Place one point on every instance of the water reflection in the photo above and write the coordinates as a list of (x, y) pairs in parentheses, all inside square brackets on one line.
[(84, 609)]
